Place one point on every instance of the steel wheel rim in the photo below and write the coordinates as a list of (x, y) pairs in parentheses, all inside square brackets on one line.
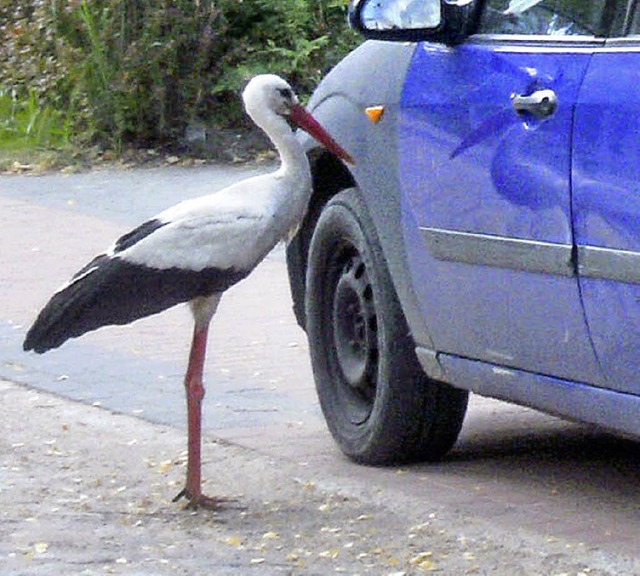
[(355, 338)]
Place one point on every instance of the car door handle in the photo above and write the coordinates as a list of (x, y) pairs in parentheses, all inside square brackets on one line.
[(541, 103)]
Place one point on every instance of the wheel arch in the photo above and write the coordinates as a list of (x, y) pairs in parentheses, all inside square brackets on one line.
[(329, 177), (373, 74)]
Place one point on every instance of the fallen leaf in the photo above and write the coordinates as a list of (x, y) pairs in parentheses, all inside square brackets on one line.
[(423, 561), (420, 557), (333, 553), (419, 527), (234, 541)]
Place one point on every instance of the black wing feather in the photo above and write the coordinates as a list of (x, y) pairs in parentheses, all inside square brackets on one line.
[(118, 292), (137, 234)]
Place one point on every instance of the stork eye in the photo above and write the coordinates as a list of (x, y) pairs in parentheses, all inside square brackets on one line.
[(286, 93)]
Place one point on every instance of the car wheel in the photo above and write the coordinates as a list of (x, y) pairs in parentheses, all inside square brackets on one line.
[(379, 405)]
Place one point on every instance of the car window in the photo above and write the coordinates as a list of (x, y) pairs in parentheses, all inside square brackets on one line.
[(634, 27), (542, 17)]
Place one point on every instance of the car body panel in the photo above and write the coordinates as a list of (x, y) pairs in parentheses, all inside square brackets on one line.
[(371, 75), (572, 400), (472, 166), (606, 189)]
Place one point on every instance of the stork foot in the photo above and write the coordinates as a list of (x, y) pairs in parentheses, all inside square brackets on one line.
[(203, 501)]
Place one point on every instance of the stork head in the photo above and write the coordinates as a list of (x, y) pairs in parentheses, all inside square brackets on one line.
[(268, 94)]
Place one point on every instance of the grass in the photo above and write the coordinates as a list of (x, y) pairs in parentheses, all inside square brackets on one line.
[(32, 134), (25, 124)]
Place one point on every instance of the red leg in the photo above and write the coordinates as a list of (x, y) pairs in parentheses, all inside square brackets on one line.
[(195, 393)]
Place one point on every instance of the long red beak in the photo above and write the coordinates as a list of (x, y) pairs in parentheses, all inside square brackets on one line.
[(309, 124)]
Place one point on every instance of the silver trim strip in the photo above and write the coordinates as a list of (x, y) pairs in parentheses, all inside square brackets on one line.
[(430, 364), (609, 264), (500, 252), (554, 44), (558, 40), (539, 44), (532, 255)]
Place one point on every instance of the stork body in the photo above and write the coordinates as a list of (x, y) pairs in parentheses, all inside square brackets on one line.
[(193, 252)]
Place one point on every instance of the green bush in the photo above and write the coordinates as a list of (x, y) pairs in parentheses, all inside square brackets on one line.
[(138, 71)]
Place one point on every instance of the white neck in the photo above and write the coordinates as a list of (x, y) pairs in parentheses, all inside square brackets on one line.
[(294, 169), (293, 159)]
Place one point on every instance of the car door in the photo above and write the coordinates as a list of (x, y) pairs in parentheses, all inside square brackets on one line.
[(485, 152), (606, 183)]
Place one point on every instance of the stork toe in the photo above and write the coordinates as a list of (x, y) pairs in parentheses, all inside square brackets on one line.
[(195, 502)]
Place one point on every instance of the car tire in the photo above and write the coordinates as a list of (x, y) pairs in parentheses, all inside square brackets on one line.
[(378, 403)]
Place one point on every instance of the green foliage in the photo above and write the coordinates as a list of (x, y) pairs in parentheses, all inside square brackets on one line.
[(138, 71), (26, 124)]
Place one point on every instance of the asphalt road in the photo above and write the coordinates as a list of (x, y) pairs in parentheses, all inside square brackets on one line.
[(519, 478)]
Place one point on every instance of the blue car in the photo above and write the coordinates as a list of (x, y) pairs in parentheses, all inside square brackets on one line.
[(487, 238)]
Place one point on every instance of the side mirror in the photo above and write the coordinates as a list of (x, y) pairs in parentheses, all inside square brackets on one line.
[(447, 21)]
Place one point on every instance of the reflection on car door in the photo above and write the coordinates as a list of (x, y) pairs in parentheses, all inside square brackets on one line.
[(606, 187), (490, 190)]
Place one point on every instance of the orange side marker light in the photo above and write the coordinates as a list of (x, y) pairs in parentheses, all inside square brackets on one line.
[(374, 113)]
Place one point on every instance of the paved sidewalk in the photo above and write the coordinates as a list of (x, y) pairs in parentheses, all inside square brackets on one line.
[(86, 491)]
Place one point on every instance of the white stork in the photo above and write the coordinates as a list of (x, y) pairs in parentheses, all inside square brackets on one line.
[(192, 253)]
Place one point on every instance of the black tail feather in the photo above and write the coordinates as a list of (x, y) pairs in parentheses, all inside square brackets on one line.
[(114, 291)]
